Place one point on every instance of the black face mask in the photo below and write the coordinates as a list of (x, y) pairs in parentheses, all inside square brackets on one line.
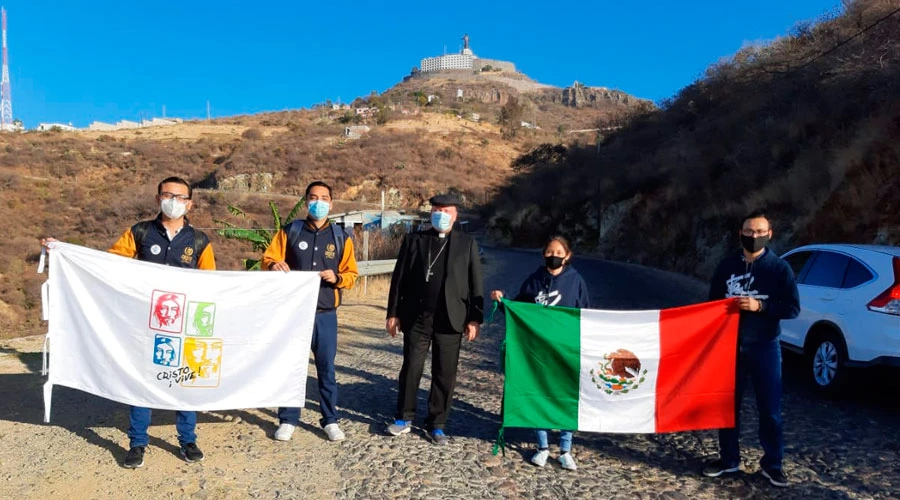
[(553, 262), (752, 244)]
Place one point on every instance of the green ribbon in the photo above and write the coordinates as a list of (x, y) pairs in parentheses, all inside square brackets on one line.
[(500, 443), (493, 310)]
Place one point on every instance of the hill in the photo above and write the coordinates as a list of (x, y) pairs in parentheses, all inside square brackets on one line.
[(87, 187), (807, 127), (558, 110)]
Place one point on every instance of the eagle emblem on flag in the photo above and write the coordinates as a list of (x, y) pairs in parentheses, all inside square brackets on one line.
[(619, 373)]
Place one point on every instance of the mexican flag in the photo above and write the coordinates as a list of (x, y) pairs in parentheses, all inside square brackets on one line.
[(620, 371)]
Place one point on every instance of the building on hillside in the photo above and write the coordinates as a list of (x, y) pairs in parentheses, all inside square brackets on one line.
[(356, 131), (465, 60), (160, 122), (102, 126), (126, 124), (46, 127), (451, 61), (375, 219)]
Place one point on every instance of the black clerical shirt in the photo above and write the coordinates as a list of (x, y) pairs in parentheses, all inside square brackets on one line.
[(436, 272)]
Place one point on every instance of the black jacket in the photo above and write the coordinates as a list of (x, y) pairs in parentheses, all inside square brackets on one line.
[(769, 279), (463, 289), (568, 289)]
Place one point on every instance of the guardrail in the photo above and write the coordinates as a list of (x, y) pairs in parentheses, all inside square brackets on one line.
[(375, 267)]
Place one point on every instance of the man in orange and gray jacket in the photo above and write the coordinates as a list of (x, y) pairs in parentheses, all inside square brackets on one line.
[(315, 245), (169, 240)]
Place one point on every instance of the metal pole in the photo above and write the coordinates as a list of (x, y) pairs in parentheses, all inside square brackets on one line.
[(365, 258)]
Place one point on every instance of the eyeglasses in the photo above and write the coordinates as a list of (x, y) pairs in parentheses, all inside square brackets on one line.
[(168, 196), (750, 232)]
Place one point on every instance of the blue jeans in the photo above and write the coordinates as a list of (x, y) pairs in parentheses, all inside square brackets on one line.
[(565, 440), (761, 363), (185, 424), (324, 348)]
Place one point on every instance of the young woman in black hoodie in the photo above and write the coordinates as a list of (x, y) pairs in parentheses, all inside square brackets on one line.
[(556, 283)]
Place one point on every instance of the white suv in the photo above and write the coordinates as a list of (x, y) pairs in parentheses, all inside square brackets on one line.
[(849, 309)]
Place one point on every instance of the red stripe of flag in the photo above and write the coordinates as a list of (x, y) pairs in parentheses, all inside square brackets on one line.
[(698, 352)]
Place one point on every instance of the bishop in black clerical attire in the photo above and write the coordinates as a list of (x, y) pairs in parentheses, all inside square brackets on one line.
[(436, 297)]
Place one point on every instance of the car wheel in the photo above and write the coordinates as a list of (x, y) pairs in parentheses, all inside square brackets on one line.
[(827, 357)]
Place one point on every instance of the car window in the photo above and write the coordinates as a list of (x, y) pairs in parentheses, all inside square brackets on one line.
[(857, 274), (827, 270), (796, 260)]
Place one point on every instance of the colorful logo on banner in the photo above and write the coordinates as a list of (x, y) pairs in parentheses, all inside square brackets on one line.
[(186, 346)]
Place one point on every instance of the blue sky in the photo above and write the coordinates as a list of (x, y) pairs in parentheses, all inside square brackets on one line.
[(108, 60)]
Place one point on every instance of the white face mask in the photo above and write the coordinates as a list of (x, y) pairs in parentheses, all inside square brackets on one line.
[(172, 208)]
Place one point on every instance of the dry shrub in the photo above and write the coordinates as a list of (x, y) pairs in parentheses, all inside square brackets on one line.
[(812, 139), (252, 134), (372, 288)]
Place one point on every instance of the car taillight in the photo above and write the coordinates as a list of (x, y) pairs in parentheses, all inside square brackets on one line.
[(889, 300)]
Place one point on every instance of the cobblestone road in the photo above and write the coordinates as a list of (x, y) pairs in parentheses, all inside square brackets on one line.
[(846, 448), (835, 449)]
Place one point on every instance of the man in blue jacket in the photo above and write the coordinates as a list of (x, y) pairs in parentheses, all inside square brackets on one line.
[(314, 244), (766, 291)]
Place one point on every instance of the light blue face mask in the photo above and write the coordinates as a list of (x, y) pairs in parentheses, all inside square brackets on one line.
[(440, 221), (318, 209)]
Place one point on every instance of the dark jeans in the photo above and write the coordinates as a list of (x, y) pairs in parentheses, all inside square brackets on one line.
[(185, 423), (761, 363), (444, 360), (324, 348)]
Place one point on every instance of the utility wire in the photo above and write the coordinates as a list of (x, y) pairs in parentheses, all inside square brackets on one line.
[(844, 42)]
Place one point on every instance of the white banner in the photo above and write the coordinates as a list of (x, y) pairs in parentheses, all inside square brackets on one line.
[(162, 337)]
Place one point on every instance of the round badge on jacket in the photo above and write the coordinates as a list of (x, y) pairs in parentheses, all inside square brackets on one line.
[(303, 245), (155, 249)]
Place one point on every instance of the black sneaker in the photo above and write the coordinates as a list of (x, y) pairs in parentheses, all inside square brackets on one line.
[(717, 468), (776, 477), (135, 458), (191, 453)]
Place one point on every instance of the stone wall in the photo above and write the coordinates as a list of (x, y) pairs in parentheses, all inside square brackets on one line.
[(496, 64)]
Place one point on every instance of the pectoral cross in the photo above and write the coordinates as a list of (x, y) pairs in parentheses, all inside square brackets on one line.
[(429, 273)]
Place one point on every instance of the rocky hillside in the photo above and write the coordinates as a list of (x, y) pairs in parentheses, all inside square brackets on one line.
[(807, 127), (87, 187), (551, 108)]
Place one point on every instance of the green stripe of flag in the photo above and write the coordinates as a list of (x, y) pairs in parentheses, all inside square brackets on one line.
[(543, 356)]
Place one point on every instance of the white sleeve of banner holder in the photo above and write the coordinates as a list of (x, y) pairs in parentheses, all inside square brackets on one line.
[(169, 338)]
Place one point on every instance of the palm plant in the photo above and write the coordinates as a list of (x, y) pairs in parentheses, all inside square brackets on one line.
[(258, 236)]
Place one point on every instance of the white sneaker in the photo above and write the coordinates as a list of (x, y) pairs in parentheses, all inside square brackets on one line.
[(334, 432), (284, 432), (567, 462), (540, 457)]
